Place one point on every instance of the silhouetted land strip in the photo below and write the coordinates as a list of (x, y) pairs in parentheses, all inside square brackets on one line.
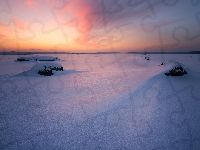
[(30, 53)]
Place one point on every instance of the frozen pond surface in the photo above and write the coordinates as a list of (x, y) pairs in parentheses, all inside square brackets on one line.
[(101, 101)]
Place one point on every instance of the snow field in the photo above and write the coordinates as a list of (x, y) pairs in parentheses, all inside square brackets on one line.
[(115, 101)]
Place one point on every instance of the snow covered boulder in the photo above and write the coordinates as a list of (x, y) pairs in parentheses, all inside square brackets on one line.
[(38, 58), (177, 71), (45, 72), (47, 68), (147, 58)]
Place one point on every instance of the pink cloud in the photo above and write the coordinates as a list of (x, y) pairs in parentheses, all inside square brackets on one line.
[(79, 10), (22, 25), (31, 3)]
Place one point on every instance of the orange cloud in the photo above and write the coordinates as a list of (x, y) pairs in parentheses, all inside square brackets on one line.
[(2, 36), (7, 30), (22, 25)]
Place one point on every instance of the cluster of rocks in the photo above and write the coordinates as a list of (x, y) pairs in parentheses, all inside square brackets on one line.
[(176, 71), (48, 71), (47, 68), (38, 58)]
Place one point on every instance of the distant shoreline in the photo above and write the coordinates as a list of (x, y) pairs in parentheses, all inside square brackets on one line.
[(31, 53)]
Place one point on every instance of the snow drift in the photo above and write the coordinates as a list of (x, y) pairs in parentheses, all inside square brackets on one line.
[(45, 69)]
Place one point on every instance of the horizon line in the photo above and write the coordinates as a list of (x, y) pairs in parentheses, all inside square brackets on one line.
[(108, 52)]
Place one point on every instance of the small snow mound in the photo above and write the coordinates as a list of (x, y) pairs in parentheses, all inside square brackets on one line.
[(47, 68), (37, 58), (147, 57)]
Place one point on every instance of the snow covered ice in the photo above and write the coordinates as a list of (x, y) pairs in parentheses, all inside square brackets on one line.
[(101, 101)]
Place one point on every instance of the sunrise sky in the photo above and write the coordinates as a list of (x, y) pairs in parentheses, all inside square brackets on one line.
[(99, 25)]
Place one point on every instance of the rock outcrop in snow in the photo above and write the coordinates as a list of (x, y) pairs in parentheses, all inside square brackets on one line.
[(38, 58), (47, 68), (176, 71)]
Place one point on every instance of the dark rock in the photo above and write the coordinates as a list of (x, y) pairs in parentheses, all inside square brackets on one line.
[(147, 58), (167, 74), (45, 72), (57, 68), (21, 59)]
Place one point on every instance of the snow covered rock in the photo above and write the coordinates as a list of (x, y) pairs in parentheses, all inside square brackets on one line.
[(177, 71), (38, 58), (45, 72), (47, 68), (147, 58)]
